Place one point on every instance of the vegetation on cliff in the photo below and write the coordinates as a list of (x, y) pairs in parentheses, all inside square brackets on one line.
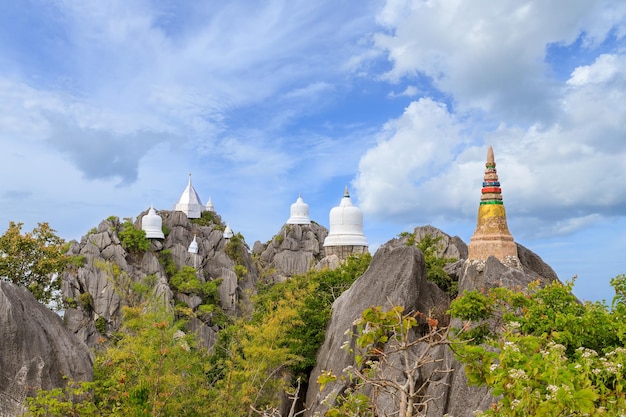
[(152, 368), (34, 259)]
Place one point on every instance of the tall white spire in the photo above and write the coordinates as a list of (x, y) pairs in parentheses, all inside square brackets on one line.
[(189, 202)]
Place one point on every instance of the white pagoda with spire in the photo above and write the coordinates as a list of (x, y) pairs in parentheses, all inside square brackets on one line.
[(299, 212), (189, 202), (345, 236)]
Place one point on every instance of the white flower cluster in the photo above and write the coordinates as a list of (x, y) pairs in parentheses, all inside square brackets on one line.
[(511, 346), (517, 374)]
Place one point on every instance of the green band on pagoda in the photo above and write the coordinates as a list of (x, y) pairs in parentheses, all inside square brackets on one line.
[(490, 166), (492, 202)]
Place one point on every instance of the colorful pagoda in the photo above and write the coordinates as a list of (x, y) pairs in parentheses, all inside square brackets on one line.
[(492, 236)]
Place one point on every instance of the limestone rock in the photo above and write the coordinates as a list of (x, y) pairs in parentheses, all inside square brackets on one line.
[(37, 350), (396, 276), (293, 251), (92, 291)]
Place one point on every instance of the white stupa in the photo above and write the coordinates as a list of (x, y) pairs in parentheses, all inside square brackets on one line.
[(189, 202), (193, 246), (209, 206), (346, 230), (228, 232), (299, 212), (152, 223)]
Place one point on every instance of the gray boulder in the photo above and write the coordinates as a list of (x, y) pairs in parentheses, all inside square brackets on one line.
[(292, 251), (36, 350), (93, 290), (396, 276)]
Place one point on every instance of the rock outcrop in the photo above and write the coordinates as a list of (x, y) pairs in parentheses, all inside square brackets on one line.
[(36, 350), (292, 251), (397, 276), (93, 290)]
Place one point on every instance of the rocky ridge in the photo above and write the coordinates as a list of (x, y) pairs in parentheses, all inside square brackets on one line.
[(96, 304), (38, 350)]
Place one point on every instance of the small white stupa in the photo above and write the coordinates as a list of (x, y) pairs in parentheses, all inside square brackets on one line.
[(189, 202), (152, 223), (228, 232), (193, 246), (345, 236), (209, 206), (299, 212)]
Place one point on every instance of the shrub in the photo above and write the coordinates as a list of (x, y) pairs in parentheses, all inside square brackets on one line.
[(133, 240)]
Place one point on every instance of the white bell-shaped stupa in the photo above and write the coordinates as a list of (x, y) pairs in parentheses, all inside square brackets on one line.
[(209, 206), (193, 246), (299, 212), (189, 202), (346, 229), (152, 223), (228, 232)]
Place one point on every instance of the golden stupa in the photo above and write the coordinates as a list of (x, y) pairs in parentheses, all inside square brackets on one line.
[(492, 236)]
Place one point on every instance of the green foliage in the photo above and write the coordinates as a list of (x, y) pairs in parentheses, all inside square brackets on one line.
[(186, 281), (380, 338), (431, 247), (169, 266), (85, 300), (208, 218), (131, 292), (101, 325), (543, 352), (132, 239), (240, 271), (33, 260), (314, 293), (235, 248), (153, 369)]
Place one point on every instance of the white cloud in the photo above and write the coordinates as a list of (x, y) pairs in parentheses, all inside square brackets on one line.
[(557, 178), (490, 55)]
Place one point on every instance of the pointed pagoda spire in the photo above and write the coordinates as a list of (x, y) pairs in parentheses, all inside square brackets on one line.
[(492, 236), (189, 202)]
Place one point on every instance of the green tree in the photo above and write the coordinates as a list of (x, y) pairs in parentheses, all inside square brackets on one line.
[(133, 240), (544, 353), (393, 363), (33, 260), (153, 369)]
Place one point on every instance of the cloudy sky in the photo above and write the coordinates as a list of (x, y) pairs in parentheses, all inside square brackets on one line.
[(106, 107)]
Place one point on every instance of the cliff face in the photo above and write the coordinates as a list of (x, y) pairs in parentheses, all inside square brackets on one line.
[(397, 276), (36, 350), (94, 289), (292, 251)]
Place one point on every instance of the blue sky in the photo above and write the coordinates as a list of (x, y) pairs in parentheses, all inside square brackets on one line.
[(105, 107)]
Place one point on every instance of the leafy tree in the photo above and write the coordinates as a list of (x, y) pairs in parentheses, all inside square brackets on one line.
[(33, 260), (542, 352), (393, 363), (431, 248), (133, 240), (153, 369), (315, 293)]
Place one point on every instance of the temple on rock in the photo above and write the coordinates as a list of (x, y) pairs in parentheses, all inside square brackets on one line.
[(193, 246), (492, 236), (228, 232), (299, 212), (345, 236), (209, 206), (189, 202), (152, 224)]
